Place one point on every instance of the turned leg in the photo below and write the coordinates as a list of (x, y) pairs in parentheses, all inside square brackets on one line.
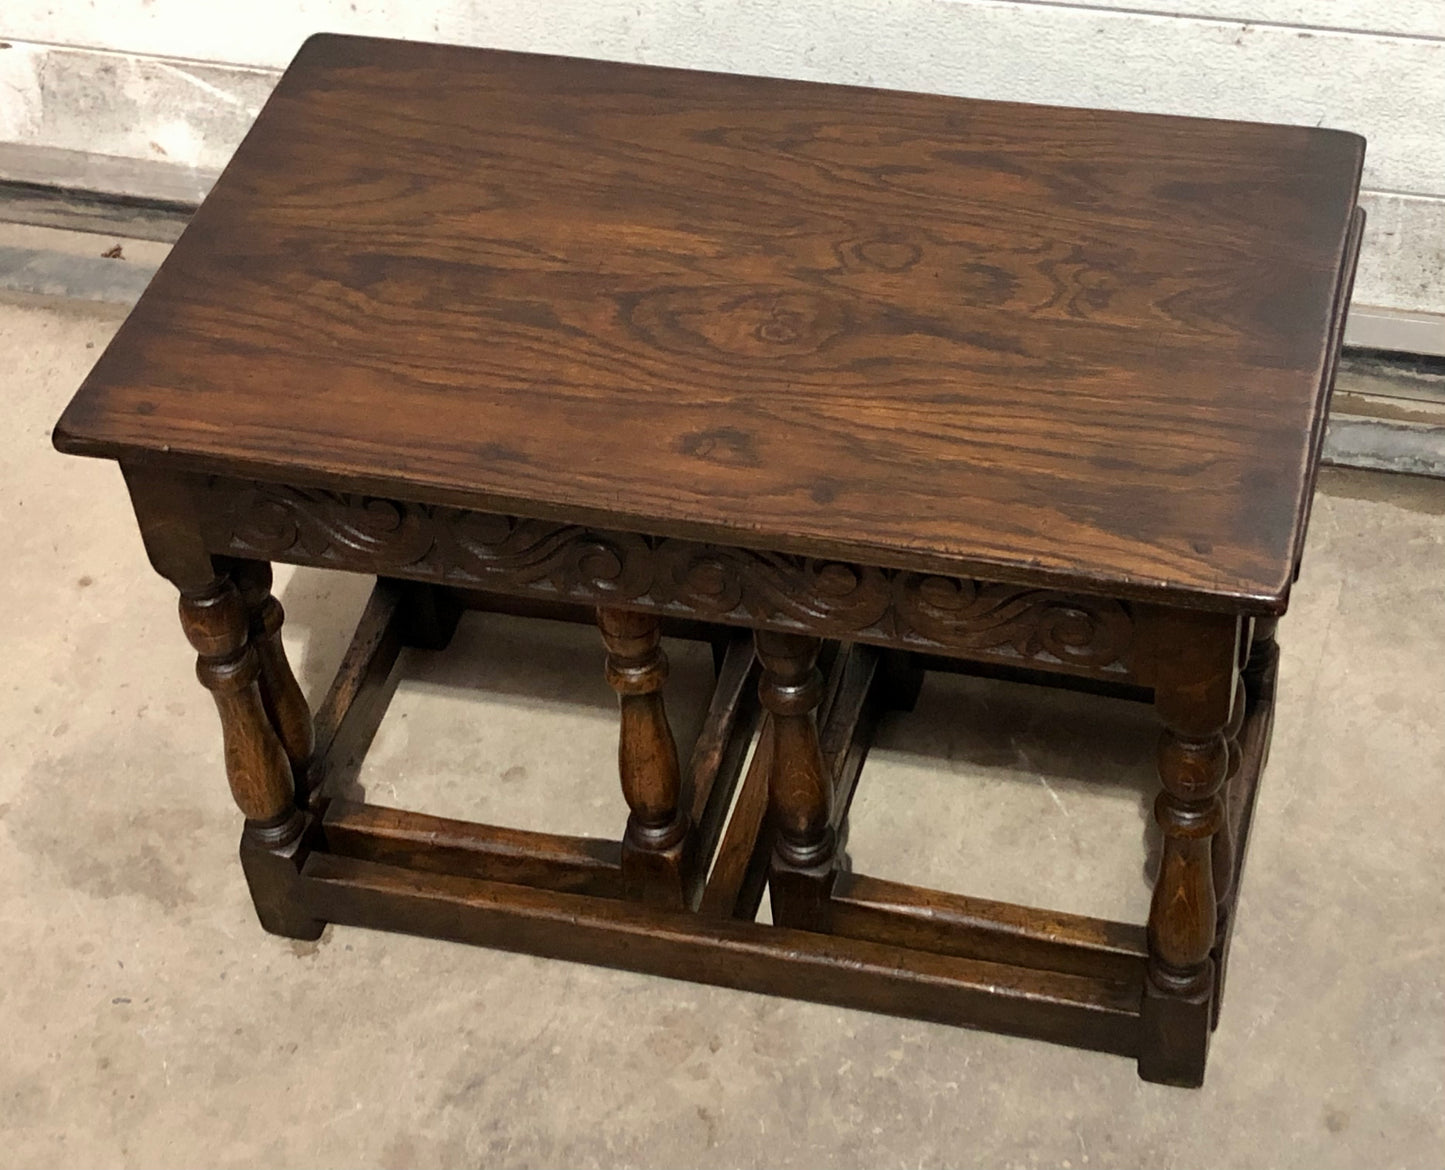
[(900, 679), (799, 791), (280, 693), (429, 615), (215, 619), (1195, 697), (656, 849), (1259, 655), (1222, 847), (272, 843), (1259, 671)]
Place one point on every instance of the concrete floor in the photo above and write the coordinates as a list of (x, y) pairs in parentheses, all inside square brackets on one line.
[(148, 1021)]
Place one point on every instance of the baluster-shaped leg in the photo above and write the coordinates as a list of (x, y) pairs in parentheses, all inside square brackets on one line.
[(429, 615), (1222, 846), (900, 679), (215, 621), (800, 792), (214, 617), (1195, 698), (1260, 656), (1223, 843), (1259, 671), (657, 847), (280, 693)]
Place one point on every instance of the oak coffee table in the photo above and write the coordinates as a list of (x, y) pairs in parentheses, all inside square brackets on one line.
[(881, 381)]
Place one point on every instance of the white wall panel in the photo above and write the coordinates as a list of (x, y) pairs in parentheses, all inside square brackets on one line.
[(179, 80), (1421, 18)]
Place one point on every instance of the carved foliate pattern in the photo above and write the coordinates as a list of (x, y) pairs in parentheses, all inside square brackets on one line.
[(508, 554), (1036, 623)]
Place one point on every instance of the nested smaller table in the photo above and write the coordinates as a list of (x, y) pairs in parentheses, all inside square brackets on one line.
[(881, 381)]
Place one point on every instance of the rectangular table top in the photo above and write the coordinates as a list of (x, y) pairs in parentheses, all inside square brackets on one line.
[(1043, 345)]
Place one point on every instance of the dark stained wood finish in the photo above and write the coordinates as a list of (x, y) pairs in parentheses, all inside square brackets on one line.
[(280, 693), (583, 613), (356, 702), (1069, 1009), (800, 788), (1334, 347), (903, 675), (579, 865), (429, 615), (1133, 692), (277, 835), (658, 848), (1222, 844), (1254, 740), (975, 928), (1263, 664), (848, 714), (1088, 635), (273, 842), (864, 688), (933, 379), (1197, 677), (739, 874), (1053, 347), (720, 752), (215, 623)]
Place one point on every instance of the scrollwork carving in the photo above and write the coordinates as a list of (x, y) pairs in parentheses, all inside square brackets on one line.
[(333, 527), (1036, 623), (834, 599), (714, 581), (565, 559)]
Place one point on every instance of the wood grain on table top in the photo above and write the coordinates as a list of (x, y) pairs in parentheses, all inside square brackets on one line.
[(1037, 344)]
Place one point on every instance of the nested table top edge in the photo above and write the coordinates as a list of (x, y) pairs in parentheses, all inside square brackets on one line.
[(189, 472), (1264, 589)]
